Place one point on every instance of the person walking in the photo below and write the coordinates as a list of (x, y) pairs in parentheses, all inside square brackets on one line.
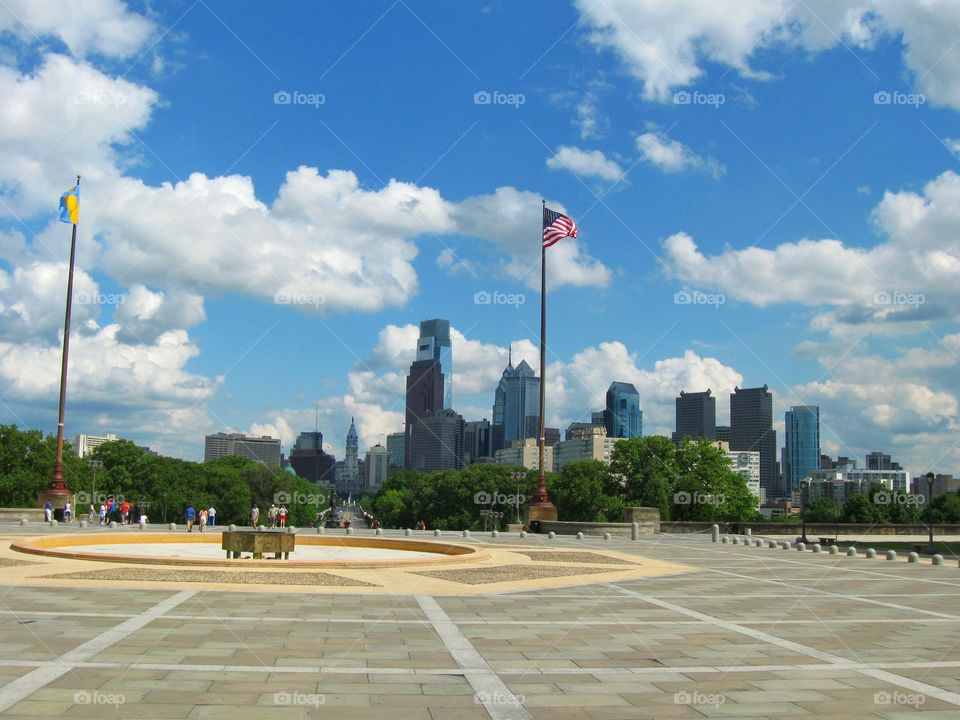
[(189, 516), (203, 519), (272, 515), (67, 512), (91, 514), (48, 511), (254, 516), (282, 515), (103, 514), (212, 517)]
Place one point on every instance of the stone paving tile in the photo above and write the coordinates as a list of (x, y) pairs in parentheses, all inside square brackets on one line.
[(49, 637)]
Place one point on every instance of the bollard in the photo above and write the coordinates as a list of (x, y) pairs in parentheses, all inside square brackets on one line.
[(172, 526), (142, 525), (551, 535), (913, 557), (773, 544), (261, 528), (724, 540), (291, 529), (816, 547), (607, 536), (350, 531), (736, 540), (436, 533), (871, 553), (321, 530), (233, 528), (494, 533), (83, 523), (748, 531), (113, 524), (579, 536), (715, 533), (466, 533), (408, 532), (801, 547), (851, 552), (378, 531), (937, 559), (24, 522), (784, 546), (891, 554), (53, 523), (523, 534), (834, 550), (635, 531)]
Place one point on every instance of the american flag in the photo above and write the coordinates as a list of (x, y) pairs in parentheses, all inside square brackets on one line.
[(556, 226)]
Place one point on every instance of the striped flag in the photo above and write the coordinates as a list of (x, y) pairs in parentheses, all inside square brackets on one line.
[(556, 226)]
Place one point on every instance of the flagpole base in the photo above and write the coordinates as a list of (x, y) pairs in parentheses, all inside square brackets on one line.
[(542, 512), (57, 492)]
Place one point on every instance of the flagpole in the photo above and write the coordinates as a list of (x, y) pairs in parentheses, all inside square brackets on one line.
[(541, 508), (57, 487)]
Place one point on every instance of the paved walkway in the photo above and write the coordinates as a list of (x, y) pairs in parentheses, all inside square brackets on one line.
[(751, 633)]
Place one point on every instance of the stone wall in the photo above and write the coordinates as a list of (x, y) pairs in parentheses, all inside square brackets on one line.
[(813, 529)]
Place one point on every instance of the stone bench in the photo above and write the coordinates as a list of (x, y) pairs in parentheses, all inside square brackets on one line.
[(258, 543)]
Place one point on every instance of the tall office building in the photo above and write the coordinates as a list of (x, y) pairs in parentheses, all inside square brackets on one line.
[(309, 461), (375, 468), (623, 417), (696, 416), (801, 449), (516, 406), (476, 440), (263, 449), (751, 428), (436, 442), (424, 395), (881, 461), (395, 449), (434, 344), (83, 445)]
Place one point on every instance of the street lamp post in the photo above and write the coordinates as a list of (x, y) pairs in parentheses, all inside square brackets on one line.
[(930, 478), (518, 476), (804, 486)]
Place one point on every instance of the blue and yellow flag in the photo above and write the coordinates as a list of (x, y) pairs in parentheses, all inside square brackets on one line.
[(70, 205)]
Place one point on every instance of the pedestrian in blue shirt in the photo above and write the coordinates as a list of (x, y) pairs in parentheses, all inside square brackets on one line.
[(191, 514)]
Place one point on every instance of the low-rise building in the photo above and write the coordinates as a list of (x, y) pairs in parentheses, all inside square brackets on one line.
[(584, 442), (526, 453)]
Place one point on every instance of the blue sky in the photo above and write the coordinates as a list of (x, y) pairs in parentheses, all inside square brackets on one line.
[(766, 194)]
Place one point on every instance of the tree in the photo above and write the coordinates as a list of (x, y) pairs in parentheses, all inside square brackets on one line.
[(644, 471), (579, 492), (860, 508), (822, 510)]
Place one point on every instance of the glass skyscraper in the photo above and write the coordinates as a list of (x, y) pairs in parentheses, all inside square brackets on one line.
[(434, 344), (623, 416), (801, 451), (516, 406)]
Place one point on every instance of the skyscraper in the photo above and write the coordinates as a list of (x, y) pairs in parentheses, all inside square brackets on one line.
[(623, 417), (476, 440), (395, 443), (308, 459), (516, 406), (696, 416), (375, 468), (434, 344), (263, 449), (424, 394), (436, 442), (801, 449), (751, 428)]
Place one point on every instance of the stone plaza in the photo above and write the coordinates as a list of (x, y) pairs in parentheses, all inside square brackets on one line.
[(668, 626)]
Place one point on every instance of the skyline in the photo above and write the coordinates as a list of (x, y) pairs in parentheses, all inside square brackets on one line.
[(765, 195)]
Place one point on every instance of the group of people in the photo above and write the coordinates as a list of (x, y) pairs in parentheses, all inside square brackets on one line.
[(206, 517), (276, 515), (111, 510)]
